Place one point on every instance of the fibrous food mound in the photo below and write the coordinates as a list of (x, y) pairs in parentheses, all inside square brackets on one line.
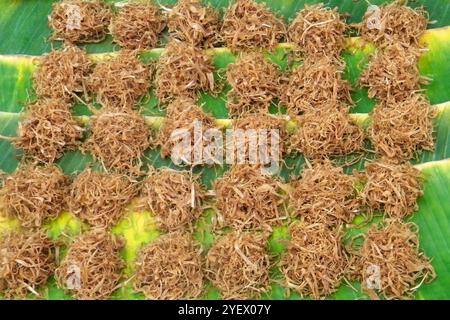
[(34, 195), (183, 70), (318, 31), (238, 265), (257, 139), (79, 21), (170, 268), (393, 73), (394, 23), (325, 195), (255, 83), (100, 199), (137, 25), (392, 188), (248, 199), (119, 140), (121, 81), (194, 23), (314, 263), (184, 117), (327, 132), (28, 259), (62, 74), (250, 25), (174, 197), (400, 130), (47, 130), (92, 266), (390, 262), (316, 83)]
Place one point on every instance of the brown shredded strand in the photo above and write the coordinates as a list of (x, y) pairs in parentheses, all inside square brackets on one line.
[(393, 249), (250, 25), (28, 259), (327, 132), (314, 263), (100, 199), (96, 255), (174, 197), (183, 70), (137, 25), (395, 24), (182, 114), (325, 195), (316, 83), (62, 74), (34, 195), (318, 31), (238, 265), (393, 73), (47, 130), (194, 23), (392, 188), (170, 268), (400, 130), (80, 21), (120, 82), (119, 140), (275, 130), (248, 199), (255, 83)]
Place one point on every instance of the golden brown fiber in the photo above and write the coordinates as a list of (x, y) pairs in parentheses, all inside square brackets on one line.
[(183, 70), (238, 265), (317, 83), (255, 83), (62, 74), (94, 259), (170, 268), (137, 25), (325, 195), (318, 31), (194, 23), (249, 199), (265, 131), (120, 82), (392, 188), (28, 259), (390, 262), (174, 197), (314, 263), (35, 195), (183, 114), (401, 130), (394, 23), (393, 73), (100, 199), (327, 132), (79, 21), (47, 130), (118, 140)]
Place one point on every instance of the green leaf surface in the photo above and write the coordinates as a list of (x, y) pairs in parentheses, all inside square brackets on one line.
[(25, 40), (16, 75)]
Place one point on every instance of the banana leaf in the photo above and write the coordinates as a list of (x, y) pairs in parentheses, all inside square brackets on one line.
[(26, 40), (26, 20)]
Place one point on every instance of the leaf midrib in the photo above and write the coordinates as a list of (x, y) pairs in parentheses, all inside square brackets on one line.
[(224, 122), (212, 51)]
